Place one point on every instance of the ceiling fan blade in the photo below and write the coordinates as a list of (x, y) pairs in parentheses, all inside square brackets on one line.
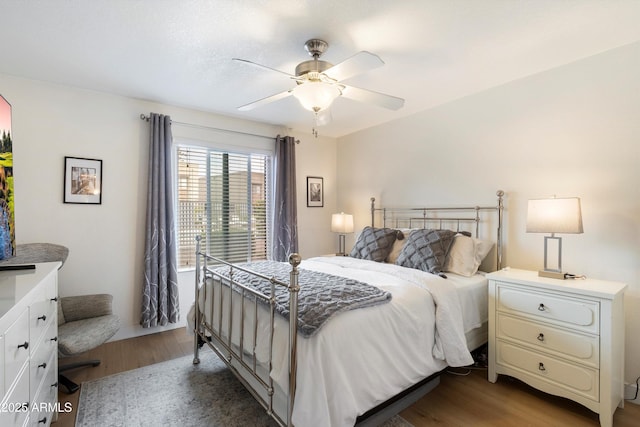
[(357, 64), (255, 64), (264, 101), (371, 97)]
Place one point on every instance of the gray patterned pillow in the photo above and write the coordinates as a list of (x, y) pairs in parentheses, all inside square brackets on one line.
[(426, 250), (374, 244)]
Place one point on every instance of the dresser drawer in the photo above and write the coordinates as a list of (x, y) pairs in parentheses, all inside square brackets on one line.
[(576, 379), (545, 338), (558, 309), (44, 403), (16, 348), (41, 358), (42, 310), (16, 406)]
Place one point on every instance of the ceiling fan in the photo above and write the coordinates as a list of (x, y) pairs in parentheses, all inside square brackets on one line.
[(319, 83)]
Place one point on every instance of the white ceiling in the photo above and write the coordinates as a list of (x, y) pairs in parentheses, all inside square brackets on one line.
[(179, 52)]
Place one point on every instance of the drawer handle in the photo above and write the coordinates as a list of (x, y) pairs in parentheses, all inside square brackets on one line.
[(541, 307), (42, 365), (54, 299), (42, 421), (55, 384), (54, 339), (43, 318), (25, 345), (541, 337), (541, 367)]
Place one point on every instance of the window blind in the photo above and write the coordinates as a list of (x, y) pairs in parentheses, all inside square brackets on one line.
[(222, 197)]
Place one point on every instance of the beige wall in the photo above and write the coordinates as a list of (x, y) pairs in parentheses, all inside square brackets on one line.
[(571, 131)]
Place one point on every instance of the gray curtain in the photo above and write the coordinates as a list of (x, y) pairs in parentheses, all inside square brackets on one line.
[(160, 294), (285, 218)]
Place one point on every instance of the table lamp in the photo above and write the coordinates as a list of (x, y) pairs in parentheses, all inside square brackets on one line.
[(341, 223), (555, 215)]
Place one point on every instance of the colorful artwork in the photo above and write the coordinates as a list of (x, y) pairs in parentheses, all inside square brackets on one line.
[(7, 221)]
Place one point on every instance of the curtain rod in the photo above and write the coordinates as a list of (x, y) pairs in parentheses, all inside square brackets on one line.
[(146, 119)]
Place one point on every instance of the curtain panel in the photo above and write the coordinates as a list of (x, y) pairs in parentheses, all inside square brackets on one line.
[(285, 218), (160, 303)]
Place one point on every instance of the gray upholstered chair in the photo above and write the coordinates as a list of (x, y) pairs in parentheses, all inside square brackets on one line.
[(84, 323)]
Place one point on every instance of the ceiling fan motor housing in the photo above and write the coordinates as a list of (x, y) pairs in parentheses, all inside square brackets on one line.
[(316, 48), (311, 66)]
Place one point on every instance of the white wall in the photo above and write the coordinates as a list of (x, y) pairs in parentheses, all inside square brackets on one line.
[(106, 241), (317, 157), (571, 131)]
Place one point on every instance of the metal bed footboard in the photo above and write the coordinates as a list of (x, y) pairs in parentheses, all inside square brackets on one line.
[(229, 345)]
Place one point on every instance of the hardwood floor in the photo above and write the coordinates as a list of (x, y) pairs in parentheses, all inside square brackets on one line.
[(473, 401), (458, 401)]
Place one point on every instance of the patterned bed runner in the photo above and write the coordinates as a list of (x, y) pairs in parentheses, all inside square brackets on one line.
[(321, 295)]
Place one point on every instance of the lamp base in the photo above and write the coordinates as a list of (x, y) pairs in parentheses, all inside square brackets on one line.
[(552, 274)]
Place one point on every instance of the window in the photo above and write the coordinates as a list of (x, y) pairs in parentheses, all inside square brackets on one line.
[(222, 197)]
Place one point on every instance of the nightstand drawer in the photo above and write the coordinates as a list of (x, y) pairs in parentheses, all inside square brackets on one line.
[(577, 347), (564, 311), (576, 379)]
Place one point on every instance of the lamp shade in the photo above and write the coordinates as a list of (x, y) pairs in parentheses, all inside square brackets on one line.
[(342, 223), (316, 95), (561, 215)]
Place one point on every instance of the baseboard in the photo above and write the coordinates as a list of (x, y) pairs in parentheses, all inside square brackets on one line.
[(133, 331), (630, 392)]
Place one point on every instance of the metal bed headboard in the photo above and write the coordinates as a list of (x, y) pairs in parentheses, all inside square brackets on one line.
[(419, 217)]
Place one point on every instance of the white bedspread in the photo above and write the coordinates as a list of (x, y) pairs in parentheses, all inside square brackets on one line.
[(361, 358), (450, 344)]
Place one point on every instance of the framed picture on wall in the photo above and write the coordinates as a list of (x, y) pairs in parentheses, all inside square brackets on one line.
[(82, 180), (7, 220), (315, 192)]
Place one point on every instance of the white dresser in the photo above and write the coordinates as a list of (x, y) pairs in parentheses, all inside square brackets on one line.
[(28, 346), (564, 337)]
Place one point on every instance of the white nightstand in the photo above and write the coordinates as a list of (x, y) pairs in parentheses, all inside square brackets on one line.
[(564, 337)]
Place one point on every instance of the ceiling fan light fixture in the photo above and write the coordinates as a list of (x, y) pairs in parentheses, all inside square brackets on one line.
[(316, 95)]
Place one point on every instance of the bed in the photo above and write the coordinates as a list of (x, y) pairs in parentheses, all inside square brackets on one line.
[(377, 347)]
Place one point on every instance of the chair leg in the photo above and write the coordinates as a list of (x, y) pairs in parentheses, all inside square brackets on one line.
[(68, 384), (69, 366), (63, 380)]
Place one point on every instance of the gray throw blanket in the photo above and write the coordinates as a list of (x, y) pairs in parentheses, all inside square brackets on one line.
[(321, 295)]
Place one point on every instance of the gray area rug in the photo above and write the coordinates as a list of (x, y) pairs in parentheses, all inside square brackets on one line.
[(175, 393)]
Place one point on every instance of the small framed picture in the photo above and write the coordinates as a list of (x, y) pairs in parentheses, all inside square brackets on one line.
[(315, 192), (82, 180)]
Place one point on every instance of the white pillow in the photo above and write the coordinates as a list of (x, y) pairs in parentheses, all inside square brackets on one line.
[(466, 255), (397, 246)]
